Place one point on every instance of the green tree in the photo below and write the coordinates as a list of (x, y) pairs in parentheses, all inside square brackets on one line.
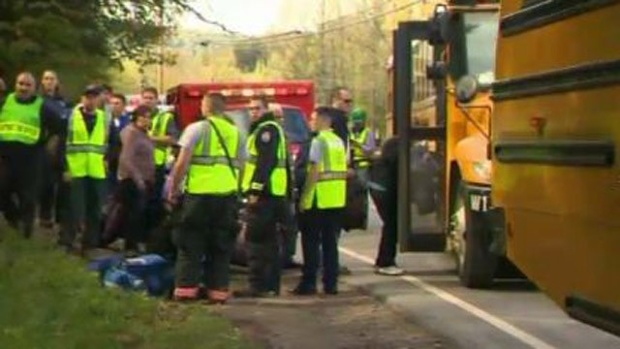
[(82, 39)]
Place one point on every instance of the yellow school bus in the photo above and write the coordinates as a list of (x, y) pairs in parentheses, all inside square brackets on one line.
[(555, 134), (445, 166)]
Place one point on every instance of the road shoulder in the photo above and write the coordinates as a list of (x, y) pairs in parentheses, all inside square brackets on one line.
[(351, 319)]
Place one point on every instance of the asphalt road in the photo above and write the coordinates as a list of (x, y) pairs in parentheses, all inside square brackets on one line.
[(514, 314)]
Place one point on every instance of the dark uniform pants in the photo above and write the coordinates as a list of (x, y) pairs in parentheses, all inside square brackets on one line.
[(48, 189), (86, 200), (205, 239), (319, 233), (19, 189), (264, 255), (289, 235), (387, 209), (63, 199)]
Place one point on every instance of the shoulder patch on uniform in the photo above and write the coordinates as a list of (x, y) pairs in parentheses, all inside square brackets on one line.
[(265, 136)]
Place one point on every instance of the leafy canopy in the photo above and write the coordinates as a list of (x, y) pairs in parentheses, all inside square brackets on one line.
[(82, 38)]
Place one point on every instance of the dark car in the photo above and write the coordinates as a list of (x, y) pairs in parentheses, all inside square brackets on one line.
[(297, 134)]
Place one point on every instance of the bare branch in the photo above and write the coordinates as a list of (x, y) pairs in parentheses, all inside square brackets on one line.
[(188, 8)]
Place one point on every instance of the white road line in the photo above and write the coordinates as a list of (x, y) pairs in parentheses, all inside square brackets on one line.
[(500, 324)]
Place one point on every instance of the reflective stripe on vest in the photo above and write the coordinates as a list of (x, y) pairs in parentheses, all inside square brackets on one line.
[(86, 148), (213, 160), (85, 153), (360, 160), (20, 122), (331, 189), (278, 181), (209, 171), (159, 128), (329, 176)]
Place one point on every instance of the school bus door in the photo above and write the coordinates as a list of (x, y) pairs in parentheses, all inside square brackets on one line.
[(422, 155)]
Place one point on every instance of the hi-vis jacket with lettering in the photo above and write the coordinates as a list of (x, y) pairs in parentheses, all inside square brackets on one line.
[(86, 152)]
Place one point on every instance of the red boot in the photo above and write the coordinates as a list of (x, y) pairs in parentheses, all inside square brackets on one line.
[(218, 296), (186, 293)]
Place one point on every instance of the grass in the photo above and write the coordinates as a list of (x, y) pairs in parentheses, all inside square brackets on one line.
[(49, 300)]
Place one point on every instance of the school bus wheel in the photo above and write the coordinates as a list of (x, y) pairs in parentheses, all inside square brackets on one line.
[(476, 264)]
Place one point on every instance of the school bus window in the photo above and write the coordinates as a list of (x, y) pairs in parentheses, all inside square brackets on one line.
[(470, 51)]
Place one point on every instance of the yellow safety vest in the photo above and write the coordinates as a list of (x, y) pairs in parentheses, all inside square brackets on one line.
[(209, 170), (85, 153), (278, 181), (360, 160), (331, 189), (20, 122), (158, 129)]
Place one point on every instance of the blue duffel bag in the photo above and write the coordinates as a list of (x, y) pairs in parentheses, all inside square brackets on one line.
[(150, 273)]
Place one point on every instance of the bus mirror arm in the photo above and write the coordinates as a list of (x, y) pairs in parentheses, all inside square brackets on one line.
[(464, 108), (471, 119)]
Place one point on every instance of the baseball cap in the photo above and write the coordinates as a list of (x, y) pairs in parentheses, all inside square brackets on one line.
[(92, 90)]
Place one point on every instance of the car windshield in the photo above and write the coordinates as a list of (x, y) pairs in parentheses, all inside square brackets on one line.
[(241, 118), (473, 48), (295, 124)]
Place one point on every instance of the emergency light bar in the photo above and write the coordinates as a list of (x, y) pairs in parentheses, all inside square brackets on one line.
[(249, 92)]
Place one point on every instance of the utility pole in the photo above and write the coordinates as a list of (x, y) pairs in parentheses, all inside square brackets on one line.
[(336, 73), (161, 47), (322, 58)]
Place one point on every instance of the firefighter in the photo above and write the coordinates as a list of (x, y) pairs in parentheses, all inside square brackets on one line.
[(210, 154), (26, 122), (266, 185), (322, 201), (85, 170), (164, 134)]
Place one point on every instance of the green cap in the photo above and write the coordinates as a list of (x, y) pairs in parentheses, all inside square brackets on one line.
[(358, 115)]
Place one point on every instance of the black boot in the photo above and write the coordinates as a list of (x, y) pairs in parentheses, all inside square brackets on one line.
[(304, 290)]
